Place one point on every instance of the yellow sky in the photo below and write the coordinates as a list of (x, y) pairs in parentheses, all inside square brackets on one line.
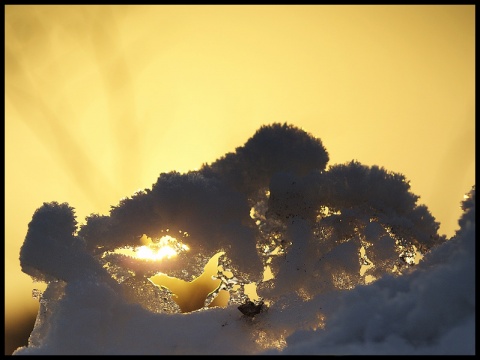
[(101, 99)]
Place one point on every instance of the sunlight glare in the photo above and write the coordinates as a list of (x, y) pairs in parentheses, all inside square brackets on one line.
[(166, 247), (146, 252)]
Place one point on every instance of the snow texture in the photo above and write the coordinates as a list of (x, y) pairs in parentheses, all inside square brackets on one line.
[(341, 243)]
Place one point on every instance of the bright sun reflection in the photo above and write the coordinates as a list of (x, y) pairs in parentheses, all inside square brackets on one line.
[(166, 247)]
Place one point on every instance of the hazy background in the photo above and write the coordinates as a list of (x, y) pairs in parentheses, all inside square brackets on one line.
[(101, 99)]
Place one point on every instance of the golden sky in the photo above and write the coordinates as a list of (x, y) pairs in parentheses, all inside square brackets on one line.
[(101, 99)]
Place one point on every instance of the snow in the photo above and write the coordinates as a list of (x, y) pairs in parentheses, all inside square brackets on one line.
[(315, 227)]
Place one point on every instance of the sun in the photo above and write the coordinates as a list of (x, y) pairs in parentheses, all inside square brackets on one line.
[(155, 253), (165, 247)]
